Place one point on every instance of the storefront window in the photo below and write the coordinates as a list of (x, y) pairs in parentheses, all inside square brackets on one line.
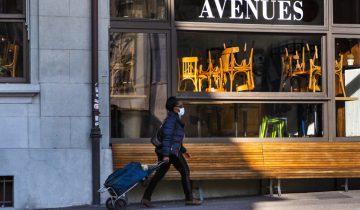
[(12, 41), (139, 9), (138, 83), (346, 11), (301, 12), (243, 62), (347, 86), (253, 120)]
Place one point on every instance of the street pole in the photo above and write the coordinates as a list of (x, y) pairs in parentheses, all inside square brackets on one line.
[(95, 133)]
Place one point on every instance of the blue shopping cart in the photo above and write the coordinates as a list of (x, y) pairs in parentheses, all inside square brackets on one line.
[(121, 181)]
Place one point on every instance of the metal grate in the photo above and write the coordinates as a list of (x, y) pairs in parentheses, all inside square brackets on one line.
[(6, 191)]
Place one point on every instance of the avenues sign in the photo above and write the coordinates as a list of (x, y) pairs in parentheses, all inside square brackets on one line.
[(247, 9)]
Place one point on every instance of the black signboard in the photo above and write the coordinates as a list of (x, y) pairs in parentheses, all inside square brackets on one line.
[(283, 12)]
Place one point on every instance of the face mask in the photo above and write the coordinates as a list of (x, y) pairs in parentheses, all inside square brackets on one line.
[(181, 112)]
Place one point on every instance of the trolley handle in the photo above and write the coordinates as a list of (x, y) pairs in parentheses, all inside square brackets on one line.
[(157, 166)]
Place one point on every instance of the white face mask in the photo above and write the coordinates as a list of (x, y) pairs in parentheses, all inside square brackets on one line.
[(181, 112)]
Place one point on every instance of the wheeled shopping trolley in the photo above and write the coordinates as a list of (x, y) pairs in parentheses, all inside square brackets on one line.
[(119, 183)]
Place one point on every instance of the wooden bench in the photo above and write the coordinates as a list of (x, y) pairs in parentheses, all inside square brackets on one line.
[(256, 160), (208, 161), (311, 160)]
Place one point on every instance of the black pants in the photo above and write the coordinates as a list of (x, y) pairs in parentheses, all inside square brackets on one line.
[(181, 166)]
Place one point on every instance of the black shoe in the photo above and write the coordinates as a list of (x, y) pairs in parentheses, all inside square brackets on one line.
[(146, 203), (193, 202)]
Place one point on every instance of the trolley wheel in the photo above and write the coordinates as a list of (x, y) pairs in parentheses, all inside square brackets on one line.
[(120, 204), (109, 204)]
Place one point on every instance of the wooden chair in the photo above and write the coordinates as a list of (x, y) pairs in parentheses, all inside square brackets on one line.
[(299, 71), (206, 75), (228, 64), (299, 67), (14, 51), (339, 74), (189, 71), (246, 68), (219, 78), (314, 73), (286, 69)]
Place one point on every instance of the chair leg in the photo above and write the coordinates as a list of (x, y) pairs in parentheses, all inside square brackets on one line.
[(196, 85), (342, 85)]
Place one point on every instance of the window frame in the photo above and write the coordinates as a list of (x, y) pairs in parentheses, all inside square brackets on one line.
[(262, 97), (333, 123), (270, 95), (329, 31)]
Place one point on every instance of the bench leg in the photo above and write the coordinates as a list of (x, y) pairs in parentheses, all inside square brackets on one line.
[(279, 187), (346, 185)]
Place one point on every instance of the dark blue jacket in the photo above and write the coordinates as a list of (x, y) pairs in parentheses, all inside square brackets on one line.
[(173, 135)]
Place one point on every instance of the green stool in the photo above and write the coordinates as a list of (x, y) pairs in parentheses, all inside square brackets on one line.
[(273, 126)]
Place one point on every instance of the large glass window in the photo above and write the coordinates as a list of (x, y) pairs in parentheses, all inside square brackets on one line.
[(346, 11), (12, 41), (139, 9), (243, 62), (302, 12), (347, 86), (253, 120), (138, 83)]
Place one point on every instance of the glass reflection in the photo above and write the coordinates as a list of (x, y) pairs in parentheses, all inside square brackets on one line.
[(346, 11), (11, 50), (138, 9), (138, 84), (253, 120), (12, 6)]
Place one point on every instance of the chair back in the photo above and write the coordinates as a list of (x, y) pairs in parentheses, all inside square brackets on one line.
[(339, 74), (228, 58), (189, 67)]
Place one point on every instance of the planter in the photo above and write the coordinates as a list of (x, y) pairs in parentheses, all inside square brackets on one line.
[(350, 61)]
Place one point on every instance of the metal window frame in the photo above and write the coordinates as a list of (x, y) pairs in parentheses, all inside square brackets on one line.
[(328, 31), (332, 110)]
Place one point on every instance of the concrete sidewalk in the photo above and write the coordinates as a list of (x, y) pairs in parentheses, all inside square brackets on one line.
[(333, 200)]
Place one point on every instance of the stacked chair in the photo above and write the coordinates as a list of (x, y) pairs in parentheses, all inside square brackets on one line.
[(222, 76), (295, 68)]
